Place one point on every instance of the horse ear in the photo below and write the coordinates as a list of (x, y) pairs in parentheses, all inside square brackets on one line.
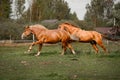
[(27, 26), (59, 27)]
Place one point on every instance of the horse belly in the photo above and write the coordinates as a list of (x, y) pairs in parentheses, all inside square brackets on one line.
[(85, 37), (51, 39)]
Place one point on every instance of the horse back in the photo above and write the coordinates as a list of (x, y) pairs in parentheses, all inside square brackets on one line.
[(54, 36)]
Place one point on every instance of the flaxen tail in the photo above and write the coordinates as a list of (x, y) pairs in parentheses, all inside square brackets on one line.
[(109, 37)]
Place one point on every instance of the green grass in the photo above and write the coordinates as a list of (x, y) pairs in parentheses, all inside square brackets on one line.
[(50, 65)]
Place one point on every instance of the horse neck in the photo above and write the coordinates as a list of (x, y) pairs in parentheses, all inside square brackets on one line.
[(72, 29), (36, 31)]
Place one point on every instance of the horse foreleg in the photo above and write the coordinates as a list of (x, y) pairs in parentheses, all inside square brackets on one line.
[(40, 47), (63, 48), (30, 48), (62, 52), (71, 48), (34, 43)]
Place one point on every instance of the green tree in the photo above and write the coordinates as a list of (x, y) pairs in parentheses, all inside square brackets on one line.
[(49, 9), (4, 9), (98, 12), (116, 14)]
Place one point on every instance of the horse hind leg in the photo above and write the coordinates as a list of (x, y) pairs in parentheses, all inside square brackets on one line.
[(100, 43), (93, 43)]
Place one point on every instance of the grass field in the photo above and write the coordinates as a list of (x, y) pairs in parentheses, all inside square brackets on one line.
[(50, 65)]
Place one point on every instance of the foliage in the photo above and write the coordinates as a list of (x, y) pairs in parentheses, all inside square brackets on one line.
[(4, 9), (10, 29), (99, 12), (49, 9), (116, 14)]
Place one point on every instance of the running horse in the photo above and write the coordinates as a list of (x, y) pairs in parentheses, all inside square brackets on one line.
[(80, 35), (43, 35)]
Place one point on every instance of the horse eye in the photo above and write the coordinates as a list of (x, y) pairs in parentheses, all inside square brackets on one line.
[(59, 27)]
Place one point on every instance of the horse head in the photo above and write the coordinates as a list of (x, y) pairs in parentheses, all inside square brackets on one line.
[(67, 28), (27, 32), (64, 27)]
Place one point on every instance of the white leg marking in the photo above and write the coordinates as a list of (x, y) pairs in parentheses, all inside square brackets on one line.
[(38, 53)]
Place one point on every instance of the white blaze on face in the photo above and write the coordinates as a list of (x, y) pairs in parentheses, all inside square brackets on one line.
[(22, 36)]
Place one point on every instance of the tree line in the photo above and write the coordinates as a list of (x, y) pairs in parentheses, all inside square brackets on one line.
[(103, 13), (99, 13)]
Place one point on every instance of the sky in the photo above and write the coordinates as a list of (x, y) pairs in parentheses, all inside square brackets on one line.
[(78, 6)]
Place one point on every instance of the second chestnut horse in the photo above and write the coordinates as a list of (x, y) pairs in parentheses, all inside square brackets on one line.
[(43, 35), (92, 37)]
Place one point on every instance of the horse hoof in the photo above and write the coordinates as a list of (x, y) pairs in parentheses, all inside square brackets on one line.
[(74, 53), (36, 55), (25, 52), (62, 54)]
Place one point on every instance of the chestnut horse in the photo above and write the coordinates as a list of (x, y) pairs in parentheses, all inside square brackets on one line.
[(92, 37), (43, 35)]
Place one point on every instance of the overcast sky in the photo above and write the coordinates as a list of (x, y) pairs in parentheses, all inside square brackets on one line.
[(78, 6)]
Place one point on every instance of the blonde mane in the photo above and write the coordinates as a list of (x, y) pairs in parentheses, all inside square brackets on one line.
[(38, 26), (67, 23)]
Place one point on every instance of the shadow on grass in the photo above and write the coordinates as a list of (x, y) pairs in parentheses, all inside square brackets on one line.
[(110, 56), (42, 53), (101, 54), (115, 54), (84, 52)]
